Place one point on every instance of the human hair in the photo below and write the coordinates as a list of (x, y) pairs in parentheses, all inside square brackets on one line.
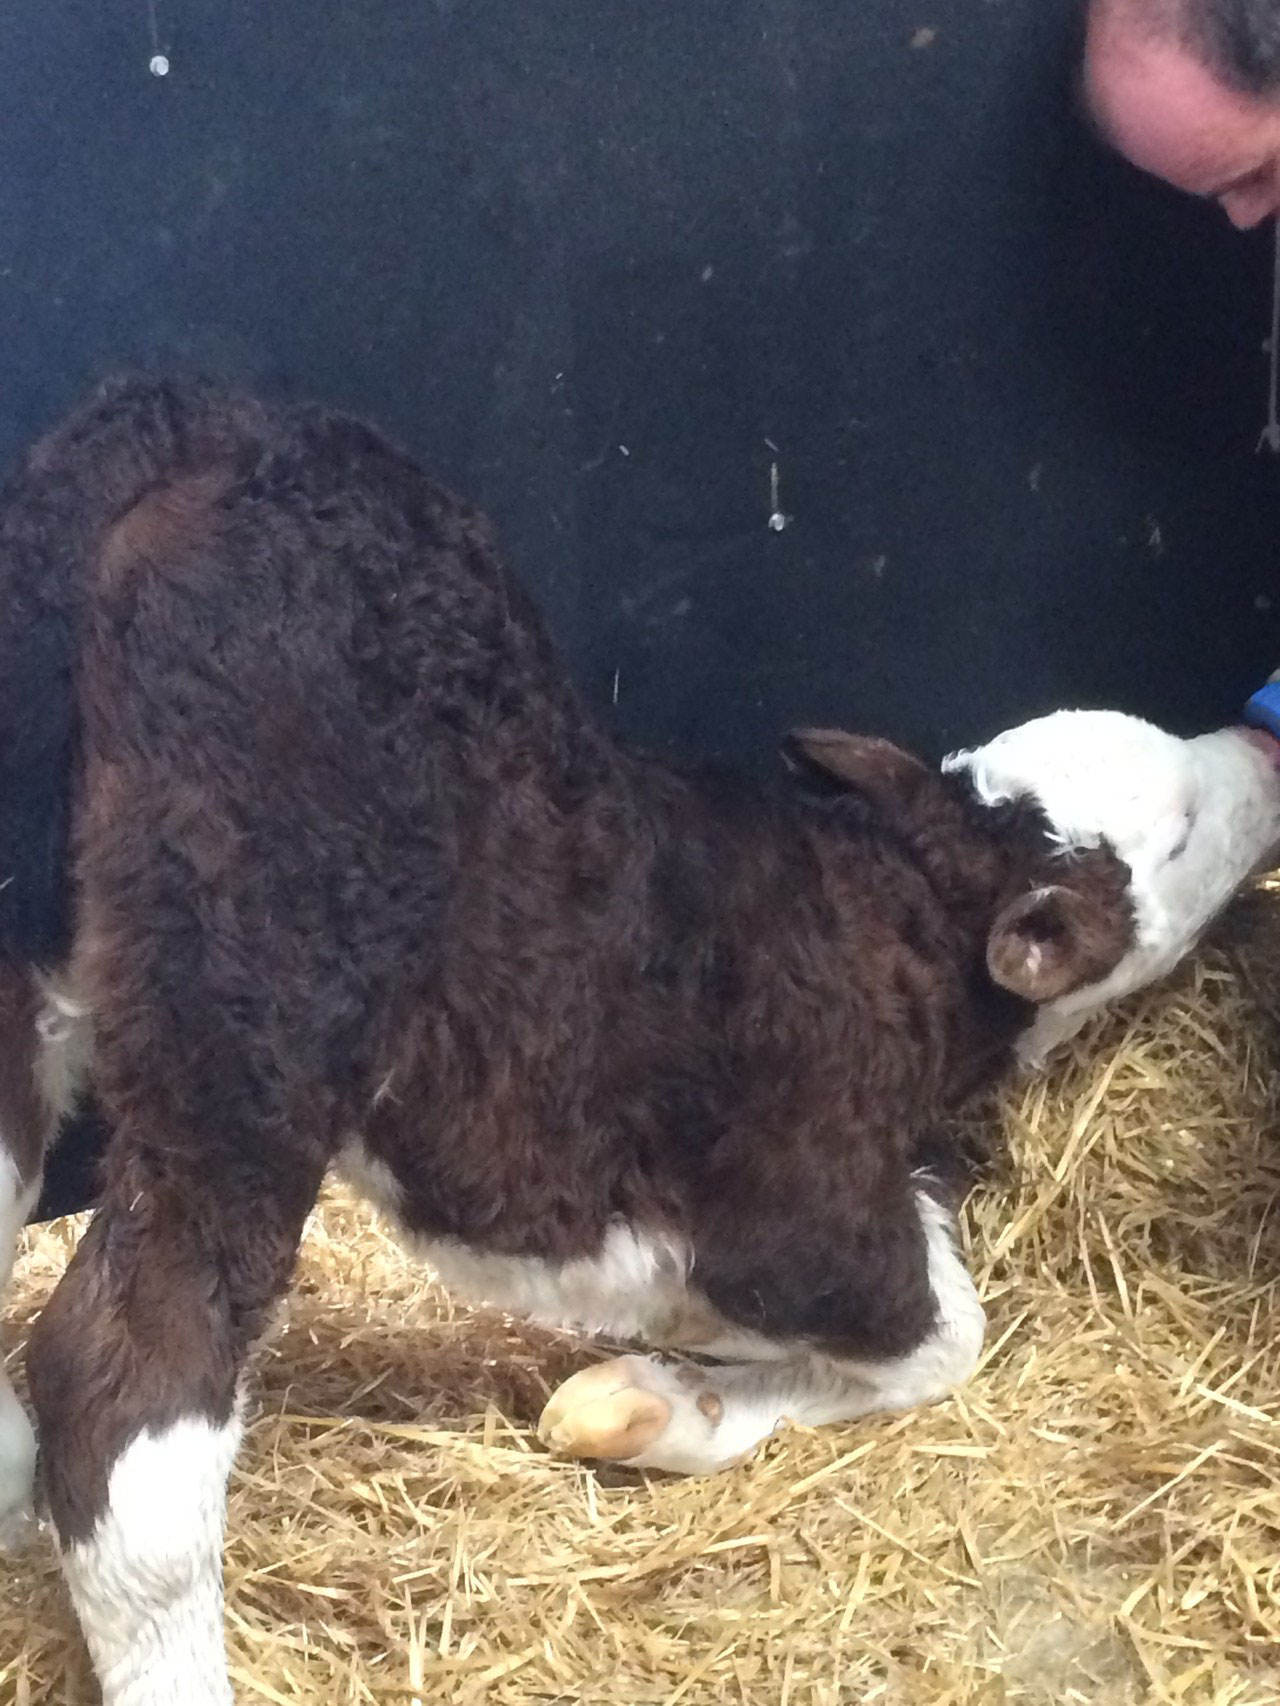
[(1237, 40)]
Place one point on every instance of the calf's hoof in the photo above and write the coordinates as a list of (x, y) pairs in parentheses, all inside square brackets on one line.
[(647, 1414), (604, 1411)]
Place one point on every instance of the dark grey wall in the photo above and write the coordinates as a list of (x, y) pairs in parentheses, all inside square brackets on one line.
[(592, 256)]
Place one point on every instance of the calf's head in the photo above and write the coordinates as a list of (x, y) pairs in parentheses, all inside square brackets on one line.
[(1185, 821), (1054, 918), (1118, 844)]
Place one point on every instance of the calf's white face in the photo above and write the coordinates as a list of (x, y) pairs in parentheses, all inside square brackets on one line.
[(1191, 819)]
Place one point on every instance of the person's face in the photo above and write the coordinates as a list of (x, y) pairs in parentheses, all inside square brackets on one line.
[(1166, 113)]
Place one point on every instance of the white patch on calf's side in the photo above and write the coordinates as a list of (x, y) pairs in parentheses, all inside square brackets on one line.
[(370, 1178), (633, 1281), (17, 1440), (636, 1286), (633, 1285), (147, 1585)]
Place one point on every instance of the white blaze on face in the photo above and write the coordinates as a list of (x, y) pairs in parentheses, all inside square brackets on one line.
[(1192, 820)]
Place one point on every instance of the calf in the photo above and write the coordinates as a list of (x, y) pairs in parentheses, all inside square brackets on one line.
[(313, 861)]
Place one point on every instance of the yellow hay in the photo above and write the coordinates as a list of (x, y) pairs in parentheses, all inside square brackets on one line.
[(1096, 1519)]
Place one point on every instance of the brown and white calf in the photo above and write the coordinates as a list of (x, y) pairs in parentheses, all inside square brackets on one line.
[(311, 860)]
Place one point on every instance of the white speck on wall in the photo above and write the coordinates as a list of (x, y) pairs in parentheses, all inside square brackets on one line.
[(1270, 435), (158, 64), (777, 519)]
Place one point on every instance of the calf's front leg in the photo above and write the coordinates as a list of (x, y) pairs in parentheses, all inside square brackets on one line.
[(695, 1418)]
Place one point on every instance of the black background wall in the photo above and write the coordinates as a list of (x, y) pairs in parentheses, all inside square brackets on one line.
[(594, 258)]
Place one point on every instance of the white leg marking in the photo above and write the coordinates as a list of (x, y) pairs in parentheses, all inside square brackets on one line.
[(17, 1441), (147, 1585), (950, 1354), (694, 1420)]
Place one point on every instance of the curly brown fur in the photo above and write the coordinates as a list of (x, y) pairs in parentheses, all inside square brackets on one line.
[(349, 857)]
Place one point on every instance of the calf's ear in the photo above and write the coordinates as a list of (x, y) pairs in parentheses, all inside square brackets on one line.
[(860, 762), (1053, 940)]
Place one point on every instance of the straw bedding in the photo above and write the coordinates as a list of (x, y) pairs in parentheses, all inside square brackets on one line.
[(1096, 1519)]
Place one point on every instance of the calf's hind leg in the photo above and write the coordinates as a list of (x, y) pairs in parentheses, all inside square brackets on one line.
[(134, 1369)]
